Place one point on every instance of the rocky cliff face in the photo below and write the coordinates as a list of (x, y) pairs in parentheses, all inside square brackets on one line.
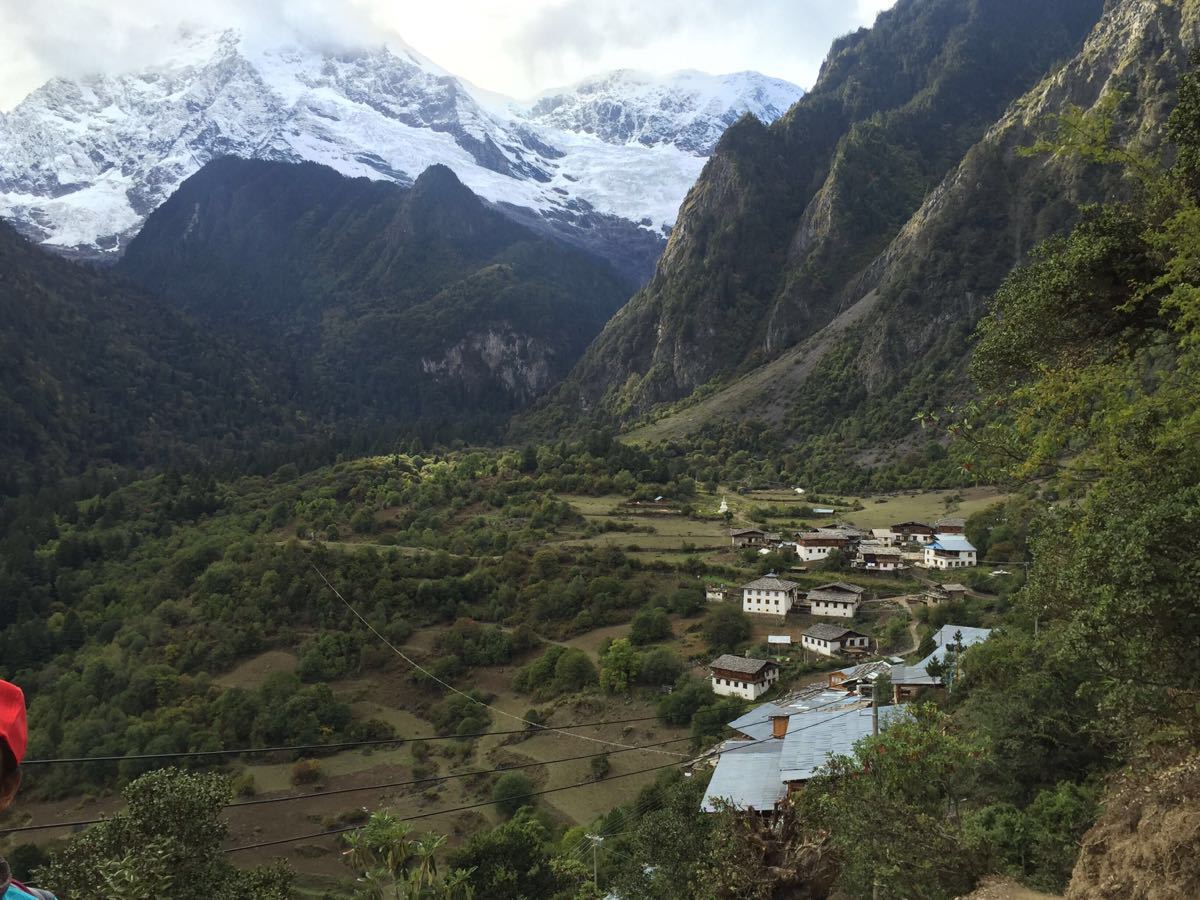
[(773, 241)]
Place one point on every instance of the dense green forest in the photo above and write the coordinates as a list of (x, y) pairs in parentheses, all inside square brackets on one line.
[(414, 307)]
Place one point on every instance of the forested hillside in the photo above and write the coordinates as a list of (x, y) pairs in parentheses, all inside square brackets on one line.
[(420, 308), (96, 372)]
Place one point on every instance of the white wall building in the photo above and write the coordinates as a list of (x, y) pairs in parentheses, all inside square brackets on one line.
[(829, 640), (741, 676), (769, 595), (838, 600), (950, 551)]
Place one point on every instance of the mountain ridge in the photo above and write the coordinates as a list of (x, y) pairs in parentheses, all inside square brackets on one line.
[(419, 306), (83, 162), (773, 240)]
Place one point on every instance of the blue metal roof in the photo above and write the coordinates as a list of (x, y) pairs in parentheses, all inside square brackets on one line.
[(747, 777), (757, 722), (950, 542), (945, 635), (816, 736)]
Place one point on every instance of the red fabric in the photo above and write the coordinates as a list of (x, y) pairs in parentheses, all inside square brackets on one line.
[(13, 730)]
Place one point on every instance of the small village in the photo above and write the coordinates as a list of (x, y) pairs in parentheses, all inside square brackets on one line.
[(775, 747)]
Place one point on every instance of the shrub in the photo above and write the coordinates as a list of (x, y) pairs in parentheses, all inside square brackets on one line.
[(511, 792), (306, 771)]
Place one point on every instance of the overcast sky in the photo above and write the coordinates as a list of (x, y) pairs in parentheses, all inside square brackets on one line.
[(516, 47)]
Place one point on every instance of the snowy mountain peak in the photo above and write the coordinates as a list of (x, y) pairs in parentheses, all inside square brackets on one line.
[(83, 162), (687, 109)]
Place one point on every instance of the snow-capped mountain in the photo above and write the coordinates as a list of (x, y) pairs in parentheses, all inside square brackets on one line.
[(687, 109), (82, 163)]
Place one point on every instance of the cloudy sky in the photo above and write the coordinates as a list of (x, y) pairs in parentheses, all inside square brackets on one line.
[(516, 47)]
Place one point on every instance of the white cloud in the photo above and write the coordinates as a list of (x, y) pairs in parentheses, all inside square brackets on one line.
[(516, 48)]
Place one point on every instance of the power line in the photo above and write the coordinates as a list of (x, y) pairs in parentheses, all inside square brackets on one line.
[(340, 745), (453, 775), (455, 690), (371, 787), (543, 792), (442, 812)]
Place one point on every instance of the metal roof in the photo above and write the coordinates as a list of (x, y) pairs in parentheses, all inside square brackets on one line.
[(967, 635), (954, 543), (779, 638), (747, 777), (770, 583), (863, 670), (823, 631), (757, 722), (814, 737), (839, 586), (914, 675), (743, 664), (953, 586), (736, 531)]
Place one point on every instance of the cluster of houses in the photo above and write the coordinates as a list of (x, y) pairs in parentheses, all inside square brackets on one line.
[(777, 747), (942, 545)]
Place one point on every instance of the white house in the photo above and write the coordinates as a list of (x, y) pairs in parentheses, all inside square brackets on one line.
[(882, 536), (950, 551), (741, 676), (770, 595), (837, 599), (812, 546), (829, 640), (714, 593)]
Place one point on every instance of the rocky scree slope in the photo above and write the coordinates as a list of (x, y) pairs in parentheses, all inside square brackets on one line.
[(375, 302), (83, 162), (773, 240)]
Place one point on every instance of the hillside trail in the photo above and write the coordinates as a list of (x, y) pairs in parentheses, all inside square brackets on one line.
[(997, 888)]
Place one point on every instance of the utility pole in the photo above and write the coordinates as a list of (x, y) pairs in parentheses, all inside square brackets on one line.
[(875, 708), (596, 842)]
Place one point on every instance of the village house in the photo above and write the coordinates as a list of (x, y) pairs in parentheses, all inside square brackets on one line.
[(813, 546), (878, 558), (830, 640), (741, 676), (950, 551), (757, 775), (749, 537), (883, 536), (943, 593), (859, 678), (837, 599), (908, 680), (769, 595), (715, 593), (950, 525), (912, 533)]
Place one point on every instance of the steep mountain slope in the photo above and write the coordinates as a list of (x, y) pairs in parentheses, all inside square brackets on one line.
[(82, 163), (94, 371), (901, 338), (785, 217), (381, 303)]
